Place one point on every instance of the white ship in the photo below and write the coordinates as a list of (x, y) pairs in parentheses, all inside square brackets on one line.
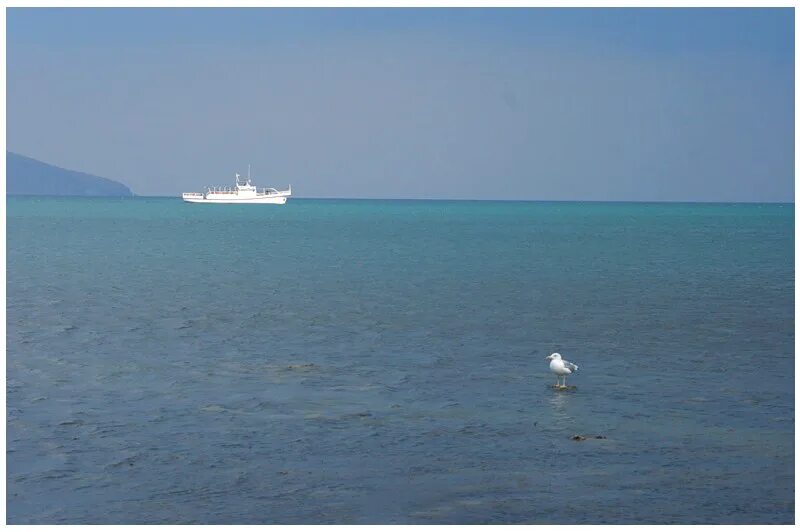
[(243, 192)]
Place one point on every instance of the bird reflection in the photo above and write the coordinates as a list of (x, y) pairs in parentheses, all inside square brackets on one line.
[(560, 409)]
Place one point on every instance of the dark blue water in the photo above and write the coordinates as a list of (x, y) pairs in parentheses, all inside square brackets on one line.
[(383, 362)]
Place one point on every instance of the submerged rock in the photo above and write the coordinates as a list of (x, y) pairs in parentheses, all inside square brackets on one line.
[(301, 367), (581, 437)]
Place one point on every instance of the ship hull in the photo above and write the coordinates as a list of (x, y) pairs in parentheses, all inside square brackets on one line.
[(279, 200)]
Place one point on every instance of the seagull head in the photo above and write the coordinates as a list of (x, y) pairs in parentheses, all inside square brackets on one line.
[(554, 356)]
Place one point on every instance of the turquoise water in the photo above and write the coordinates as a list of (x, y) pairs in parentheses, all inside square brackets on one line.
[(336, 361)]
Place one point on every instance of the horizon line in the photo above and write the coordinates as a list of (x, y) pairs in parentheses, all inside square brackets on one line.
[(708, 202)]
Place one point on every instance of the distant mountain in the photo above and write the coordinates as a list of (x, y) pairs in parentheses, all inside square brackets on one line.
[(26, 176)]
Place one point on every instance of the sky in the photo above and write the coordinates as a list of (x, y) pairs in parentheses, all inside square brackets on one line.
[(521, 104)]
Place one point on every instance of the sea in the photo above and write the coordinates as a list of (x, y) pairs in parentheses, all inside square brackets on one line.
[(383, 362)]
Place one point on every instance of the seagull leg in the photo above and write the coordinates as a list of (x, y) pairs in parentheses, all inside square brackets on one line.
[(565, 381)]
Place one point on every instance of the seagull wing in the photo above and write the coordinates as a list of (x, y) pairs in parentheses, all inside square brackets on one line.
[(570, 365)]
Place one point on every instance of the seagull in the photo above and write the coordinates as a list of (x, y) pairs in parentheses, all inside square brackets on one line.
[(561, 368)]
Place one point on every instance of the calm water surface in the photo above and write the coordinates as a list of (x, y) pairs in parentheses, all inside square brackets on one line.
[(383, 362)]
